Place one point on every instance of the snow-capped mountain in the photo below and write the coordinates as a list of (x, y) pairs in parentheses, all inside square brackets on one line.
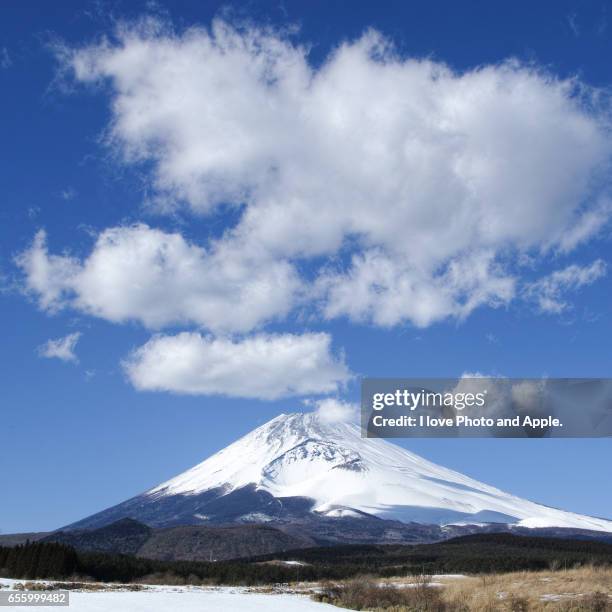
[(300, 464)]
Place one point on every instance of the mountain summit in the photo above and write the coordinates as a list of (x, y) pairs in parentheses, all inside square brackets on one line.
[(300, 465)]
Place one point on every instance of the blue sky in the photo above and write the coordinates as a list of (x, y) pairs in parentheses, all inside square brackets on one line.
[(93, 145)]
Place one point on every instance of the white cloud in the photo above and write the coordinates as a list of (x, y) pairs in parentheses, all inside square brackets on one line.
[(159, 278), (388, 291), (437, 184), (61, 348), (548, 291), (587, 225), (261, 366), (527, 393), (572, 21), (49, 277), (68, 194), (5, 58), (332, 410)]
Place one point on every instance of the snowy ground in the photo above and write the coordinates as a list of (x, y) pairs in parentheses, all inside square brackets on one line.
[(185, 599), (193, 601)]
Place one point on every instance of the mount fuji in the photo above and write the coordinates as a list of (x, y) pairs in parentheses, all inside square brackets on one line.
[(299, 469)]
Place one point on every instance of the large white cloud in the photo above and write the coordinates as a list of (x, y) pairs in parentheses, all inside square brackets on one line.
[(159, 278), (431, 184), (261, 366)]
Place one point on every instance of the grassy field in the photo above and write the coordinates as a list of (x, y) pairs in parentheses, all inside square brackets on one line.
[(586, 589)]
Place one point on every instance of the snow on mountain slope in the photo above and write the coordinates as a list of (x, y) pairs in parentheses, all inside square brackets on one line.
[(298, 455)]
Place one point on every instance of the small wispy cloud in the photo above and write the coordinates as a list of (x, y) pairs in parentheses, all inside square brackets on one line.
[(5, 59), (572, 21), (68, 194), (61, 348), (602, 26), (548, 292)]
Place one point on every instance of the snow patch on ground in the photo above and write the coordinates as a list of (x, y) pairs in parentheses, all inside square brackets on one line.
[(184, 599), (301, 563)]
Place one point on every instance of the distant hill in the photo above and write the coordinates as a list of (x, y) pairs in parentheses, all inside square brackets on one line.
[(195, 543), (494, 552), (125, 536), (12, 539), (222, 542), (191, 543)]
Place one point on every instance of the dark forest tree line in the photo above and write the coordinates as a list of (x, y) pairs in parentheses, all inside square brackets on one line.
[(480, 554), (38, 560)]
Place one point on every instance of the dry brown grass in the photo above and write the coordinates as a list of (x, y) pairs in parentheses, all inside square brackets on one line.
[(371, 594), (587, 589), (74, 586)]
